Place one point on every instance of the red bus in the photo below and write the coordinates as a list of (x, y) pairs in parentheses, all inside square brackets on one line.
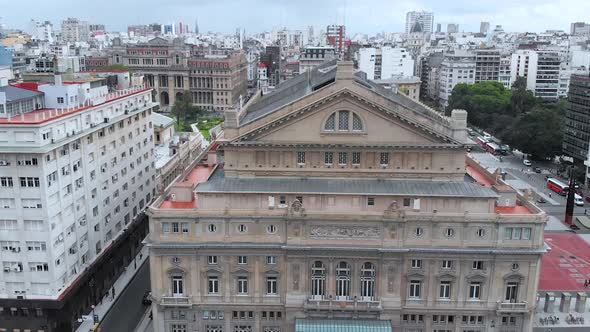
[(557, 186), (493, 148), (482, 142)]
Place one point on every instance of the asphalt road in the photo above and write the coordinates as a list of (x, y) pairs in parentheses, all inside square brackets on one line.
[(128, 310)]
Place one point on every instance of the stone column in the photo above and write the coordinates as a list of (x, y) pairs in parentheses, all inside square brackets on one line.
[(564, 305), (580, 302), (549, 302)]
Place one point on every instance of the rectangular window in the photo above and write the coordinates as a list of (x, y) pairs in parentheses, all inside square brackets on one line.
[(175, 227), (165, 227), (407, 202), (213, 285), (477, 265), (343, 120), (177, 286), (474, 291), (185, 228), (242, 285), (29, 182), (299, 198), (416, 263), (511, 292), (445, 290), (384, 158), (328, 158), (517, 233), (356, 158), (300, 157), (271, 285), (370, 201), (447, 264), (271, 260), (415, 286), (242, 259), (342, 158), (6, 181), (211, 260)]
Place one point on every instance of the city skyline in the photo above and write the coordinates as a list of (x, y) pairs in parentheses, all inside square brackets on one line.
[(525, 16)]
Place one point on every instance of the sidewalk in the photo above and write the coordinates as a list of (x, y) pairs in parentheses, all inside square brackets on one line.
[(103, 308), (145, 324)]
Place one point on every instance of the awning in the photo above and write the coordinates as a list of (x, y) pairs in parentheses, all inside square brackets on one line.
[(342, 325)]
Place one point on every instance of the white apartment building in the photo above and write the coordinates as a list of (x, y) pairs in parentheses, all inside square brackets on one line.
[(458, 67), (41, 30), (73, 30), (426, 19), (385, 62), (541, 70), (504, 72), (72, 176)]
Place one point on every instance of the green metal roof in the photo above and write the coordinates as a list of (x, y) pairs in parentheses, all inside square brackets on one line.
[(342, 325)]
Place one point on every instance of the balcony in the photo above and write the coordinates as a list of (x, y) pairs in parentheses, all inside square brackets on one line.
[(349, 304), (176, 301), (514, 307)]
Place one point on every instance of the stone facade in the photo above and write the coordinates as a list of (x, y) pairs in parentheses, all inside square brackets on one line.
[(346, 203)]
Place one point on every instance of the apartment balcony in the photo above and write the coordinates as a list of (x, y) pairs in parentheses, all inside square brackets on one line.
[(176, 301), (344, 304), (512, 307)]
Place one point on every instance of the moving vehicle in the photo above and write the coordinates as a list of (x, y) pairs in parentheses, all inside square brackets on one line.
[(493, 148), (541, 200), (557, 186), (578, 200), (537, 169), (482, 142), (527, 162)]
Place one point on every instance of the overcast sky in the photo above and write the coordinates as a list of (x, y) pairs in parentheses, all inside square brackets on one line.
[(366, 16)]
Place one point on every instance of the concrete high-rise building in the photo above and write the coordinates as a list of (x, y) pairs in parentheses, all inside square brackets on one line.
[(335, 35), (457, 67), (487, 65), (196, 26), (366, 222), (577, 131), (430, 75), (504, 73), (41, 30), (580, 28), (310, 35), (541, 70), (438, 28), (385, 62), (452, 28), (73, 30), (484, 27), (75, 172), (426, 19)]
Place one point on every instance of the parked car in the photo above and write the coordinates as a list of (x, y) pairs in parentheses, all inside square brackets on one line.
[(541, 200), (537, 169), (147, 298), (527, 162)]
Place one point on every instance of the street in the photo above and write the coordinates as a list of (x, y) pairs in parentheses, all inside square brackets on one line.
[(126, 313), (522, 177)]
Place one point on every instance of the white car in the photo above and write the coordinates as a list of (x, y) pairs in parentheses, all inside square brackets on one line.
[(578, 200), (527, 162)]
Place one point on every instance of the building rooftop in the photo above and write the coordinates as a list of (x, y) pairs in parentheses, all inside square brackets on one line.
[(306, 83), (218, 183), (14, 93), (197, 175), (45, 115), (400, 80), (566, 264), (160, 120)]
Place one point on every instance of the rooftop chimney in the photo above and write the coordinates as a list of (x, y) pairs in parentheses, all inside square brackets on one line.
[(345, 70)]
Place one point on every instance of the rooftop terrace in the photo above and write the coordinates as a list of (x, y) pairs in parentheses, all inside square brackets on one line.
[(45, 115)]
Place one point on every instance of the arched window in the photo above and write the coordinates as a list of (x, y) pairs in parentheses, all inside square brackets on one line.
[(318, 280), (343, 280), (368, 280), (177, 59), (344, 121), (331, 122)]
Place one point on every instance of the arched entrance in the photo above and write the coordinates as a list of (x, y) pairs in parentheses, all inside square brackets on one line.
[(164, 99)]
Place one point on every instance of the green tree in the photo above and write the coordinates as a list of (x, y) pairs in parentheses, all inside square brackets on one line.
[(539, 133), (522, 100), (184, 111)]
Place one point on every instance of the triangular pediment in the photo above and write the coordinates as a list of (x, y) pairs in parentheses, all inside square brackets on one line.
[(320, 123), (158, 41)]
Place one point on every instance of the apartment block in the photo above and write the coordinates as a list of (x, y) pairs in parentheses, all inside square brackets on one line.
[(385, 62), (541, 70), (75, 171), (457, 67)]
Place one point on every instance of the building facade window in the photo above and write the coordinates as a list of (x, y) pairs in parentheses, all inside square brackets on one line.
[(318, 279), (271, 285), (475, 291), (242, 285), (213, 285), (343, 280), (415, 289), (445, 290), (177, 285), (368, 280), (511, 292)]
